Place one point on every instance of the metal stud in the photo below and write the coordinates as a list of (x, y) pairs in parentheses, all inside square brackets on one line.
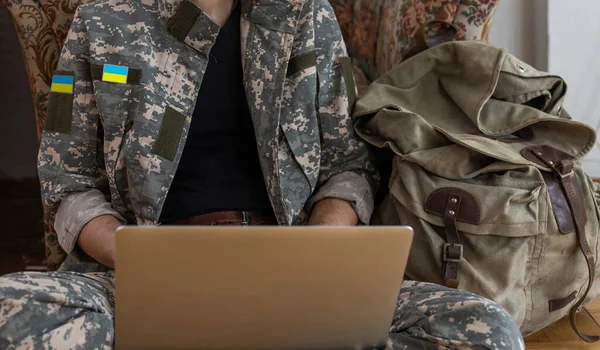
[(451, 212), (551, 162), (454, 200), (539, 153)]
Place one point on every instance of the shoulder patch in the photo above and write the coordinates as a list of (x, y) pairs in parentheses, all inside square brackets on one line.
[(116, 74), (60, 103)]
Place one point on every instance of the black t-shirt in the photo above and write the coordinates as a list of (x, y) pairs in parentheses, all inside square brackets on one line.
[(219, 169)]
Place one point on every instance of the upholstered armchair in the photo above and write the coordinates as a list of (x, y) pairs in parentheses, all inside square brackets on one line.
[(379, 33), (41, 27)]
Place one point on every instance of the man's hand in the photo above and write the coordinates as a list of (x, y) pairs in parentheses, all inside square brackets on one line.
[(333, 212), (97, 239)]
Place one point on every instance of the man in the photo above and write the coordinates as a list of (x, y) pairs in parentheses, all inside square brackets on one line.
[(205, 112)]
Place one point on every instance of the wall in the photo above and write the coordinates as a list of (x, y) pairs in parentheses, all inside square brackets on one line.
[(560, 37), (573, 54), (18, 140), (520, 27)]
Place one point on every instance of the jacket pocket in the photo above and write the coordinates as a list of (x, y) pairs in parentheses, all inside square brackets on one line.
[(494, 235), (150, 152), (113, 102), (117, 111), (114, 96), (508, 204)]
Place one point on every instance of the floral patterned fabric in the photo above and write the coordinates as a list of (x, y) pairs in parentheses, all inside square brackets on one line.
[(378, 33), (40, 51), (42, 26)]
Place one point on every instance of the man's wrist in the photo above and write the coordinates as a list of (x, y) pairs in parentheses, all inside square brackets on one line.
[(97, 239), (333, 212)]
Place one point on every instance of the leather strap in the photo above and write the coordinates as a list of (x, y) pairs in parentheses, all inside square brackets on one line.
[(241, 218), (568, 180), (572, 189), (453, 250), (558, 198), (453, 205), (557, 304), (423, 43)]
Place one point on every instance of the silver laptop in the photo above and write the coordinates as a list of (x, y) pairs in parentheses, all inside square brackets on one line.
[(235, 288)]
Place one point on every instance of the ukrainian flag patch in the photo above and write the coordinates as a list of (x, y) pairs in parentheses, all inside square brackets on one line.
[(115, 74), (62, 84)]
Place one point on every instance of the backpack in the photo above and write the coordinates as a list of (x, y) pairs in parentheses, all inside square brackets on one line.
[(485, 166)]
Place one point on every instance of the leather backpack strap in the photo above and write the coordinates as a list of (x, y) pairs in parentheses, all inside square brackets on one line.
[(568, 182), (572, 189), (453, 205), (453, 250), (422, 42)]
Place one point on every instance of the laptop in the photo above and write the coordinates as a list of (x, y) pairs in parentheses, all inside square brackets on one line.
[(242, 288)]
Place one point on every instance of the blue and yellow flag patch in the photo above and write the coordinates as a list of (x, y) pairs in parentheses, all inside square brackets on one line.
[(115, 74), (62, 84)]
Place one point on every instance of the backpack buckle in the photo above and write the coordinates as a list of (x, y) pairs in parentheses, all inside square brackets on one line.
[(562, 176), (453, 252)]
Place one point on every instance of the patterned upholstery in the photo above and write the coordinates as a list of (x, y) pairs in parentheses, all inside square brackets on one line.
[(378, 32), (42, 26)]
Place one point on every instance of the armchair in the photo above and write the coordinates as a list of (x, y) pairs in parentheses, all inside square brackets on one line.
[(378, 33)]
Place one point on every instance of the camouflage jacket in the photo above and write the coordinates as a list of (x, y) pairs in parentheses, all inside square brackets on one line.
[(126, 86)]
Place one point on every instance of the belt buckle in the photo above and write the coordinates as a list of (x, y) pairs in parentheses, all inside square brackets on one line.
[(246, 217)]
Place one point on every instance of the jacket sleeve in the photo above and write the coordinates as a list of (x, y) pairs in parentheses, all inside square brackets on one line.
[(346, 169), (73, 180)]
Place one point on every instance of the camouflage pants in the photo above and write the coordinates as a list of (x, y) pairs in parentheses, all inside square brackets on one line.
[(68, 310)]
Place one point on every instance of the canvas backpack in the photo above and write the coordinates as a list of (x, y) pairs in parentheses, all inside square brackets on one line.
[(485, 166)]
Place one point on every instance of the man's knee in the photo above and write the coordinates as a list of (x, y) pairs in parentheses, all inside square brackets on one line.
[(450, 317), (16, 291), (58, 308), (24, 288), (486, 324)]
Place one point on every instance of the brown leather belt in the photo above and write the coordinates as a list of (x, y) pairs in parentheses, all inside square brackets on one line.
[(240, 218)]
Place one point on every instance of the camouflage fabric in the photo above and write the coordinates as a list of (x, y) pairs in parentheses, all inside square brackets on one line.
[(67, 310), (113, 147), (57, 310)]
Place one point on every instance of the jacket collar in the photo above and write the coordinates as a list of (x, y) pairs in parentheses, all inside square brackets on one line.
[(272, 14)]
